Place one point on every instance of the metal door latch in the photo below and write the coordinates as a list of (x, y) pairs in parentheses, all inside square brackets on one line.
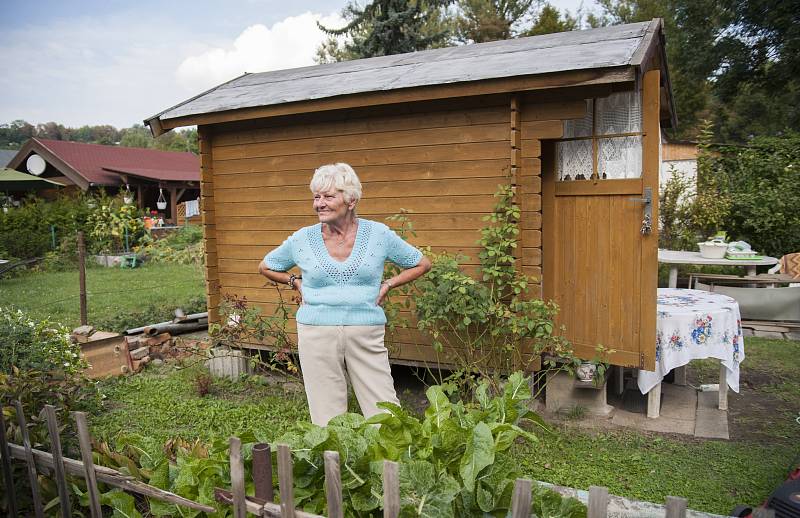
[(647, 201)]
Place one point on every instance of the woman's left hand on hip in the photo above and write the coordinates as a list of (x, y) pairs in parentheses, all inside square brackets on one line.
[(384, 290)]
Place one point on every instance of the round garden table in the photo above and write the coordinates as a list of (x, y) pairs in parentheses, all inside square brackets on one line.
[(691, 325)]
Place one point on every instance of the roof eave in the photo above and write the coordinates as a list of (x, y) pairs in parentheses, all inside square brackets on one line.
[(33, 145), (654, 41), (617, 74)]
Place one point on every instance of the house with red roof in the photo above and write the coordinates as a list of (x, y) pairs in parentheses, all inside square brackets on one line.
[(150, 175)]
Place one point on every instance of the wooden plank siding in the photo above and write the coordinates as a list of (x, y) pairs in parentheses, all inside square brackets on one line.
[(443, 165), (207, 211)]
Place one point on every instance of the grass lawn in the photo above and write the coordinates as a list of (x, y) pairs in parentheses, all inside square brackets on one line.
[(713, 475), (164, 402), (112, 293)]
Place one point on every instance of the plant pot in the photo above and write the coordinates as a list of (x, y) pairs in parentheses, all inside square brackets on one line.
[(586, 372), (161, 205), (127, 199)]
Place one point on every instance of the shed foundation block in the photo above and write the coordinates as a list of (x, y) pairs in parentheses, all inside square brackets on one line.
[(561, 394)]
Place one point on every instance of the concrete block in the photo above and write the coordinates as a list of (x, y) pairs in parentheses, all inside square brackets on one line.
[(561, 394), (228, 363), (710, 422), (792, 335), (83, 330)]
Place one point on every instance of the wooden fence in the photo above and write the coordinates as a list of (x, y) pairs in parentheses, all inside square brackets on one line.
[(53, 464)]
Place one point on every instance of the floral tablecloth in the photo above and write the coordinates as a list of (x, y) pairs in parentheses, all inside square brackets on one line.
[(693, 324)]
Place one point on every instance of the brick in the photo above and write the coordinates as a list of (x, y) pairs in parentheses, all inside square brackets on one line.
[(141, 352), (157, 340)]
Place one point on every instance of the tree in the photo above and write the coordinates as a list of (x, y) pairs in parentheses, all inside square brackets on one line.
[(757, 87), (490, 20), (386, 27), (691, 27), (136, 136), (550, 21)]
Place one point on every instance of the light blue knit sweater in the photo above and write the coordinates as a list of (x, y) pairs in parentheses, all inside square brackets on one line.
[(342, 293)]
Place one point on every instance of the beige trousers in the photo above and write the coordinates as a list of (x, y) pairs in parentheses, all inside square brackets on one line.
[(331, 354)]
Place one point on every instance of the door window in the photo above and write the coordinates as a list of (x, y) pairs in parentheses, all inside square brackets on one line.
[(606, 144)]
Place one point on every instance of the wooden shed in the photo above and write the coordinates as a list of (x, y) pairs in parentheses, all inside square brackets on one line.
[(573, 119)]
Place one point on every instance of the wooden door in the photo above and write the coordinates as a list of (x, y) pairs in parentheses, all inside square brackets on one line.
[(598, 266)]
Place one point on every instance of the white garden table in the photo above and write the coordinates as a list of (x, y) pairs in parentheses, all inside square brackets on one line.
[(691, 325), (676, 257)]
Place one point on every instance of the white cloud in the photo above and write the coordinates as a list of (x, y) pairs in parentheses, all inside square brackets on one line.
[(289, 43)]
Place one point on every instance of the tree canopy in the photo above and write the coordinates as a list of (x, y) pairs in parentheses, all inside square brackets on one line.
[(14, 134)]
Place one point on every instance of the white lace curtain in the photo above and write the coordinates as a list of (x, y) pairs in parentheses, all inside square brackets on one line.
[(617, 157)]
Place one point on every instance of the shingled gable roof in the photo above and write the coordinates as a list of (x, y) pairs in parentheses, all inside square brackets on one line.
[(95, 164), (607, 48)]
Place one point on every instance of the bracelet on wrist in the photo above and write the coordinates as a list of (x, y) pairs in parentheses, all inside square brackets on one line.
[(292, 278), (388, 283)]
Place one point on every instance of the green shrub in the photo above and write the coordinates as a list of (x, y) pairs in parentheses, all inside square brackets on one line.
[(674, 210), (39, 365), (184, 246), (762, 181), (36, 345), (29, 230), (493, 324), (114, 226)]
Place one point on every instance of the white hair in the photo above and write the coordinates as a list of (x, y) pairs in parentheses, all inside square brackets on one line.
[(339, 176)]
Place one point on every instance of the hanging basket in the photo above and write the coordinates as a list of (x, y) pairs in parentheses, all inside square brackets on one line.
[(162, 202), (127, 199)]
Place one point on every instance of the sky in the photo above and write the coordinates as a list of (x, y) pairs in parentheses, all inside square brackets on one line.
[(119, 62)]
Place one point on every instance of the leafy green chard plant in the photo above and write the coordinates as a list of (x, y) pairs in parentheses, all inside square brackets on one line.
[(490, 325), (457, 460)]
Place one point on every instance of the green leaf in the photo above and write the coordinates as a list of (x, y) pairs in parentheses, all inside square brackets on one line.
[(123, 504), (478, 455)]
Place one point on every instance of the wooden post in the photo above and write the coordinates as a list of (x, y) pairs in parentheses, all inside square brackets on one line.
[(262, 472), (82, 276), (333, 485), (173, 205), (31, 463), (85, 442), (391, 490), (723, 387), (598, 502), (237, 479), (676, 507), (7, 478), (521, 499), (58, 462), (285, 481)]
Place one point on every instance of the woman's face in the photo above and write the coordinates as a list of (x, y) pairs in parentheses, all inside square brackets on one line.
[(330, 205)]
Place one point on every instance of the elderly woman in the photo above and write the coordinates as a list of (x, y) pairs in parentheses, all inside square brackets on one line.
[(340, 322)]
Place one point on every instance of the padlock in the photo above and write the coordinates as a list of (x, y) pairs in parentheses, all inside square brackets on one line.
[(647, 226)]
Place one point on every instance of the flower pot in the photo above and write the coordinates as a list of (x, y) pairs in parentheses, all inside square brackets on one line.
[(586, 371), (127, 199), (161, 205)]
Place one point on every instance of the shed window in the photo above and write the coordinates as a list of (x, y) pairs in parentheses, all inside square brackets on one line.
[(606, 143)]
